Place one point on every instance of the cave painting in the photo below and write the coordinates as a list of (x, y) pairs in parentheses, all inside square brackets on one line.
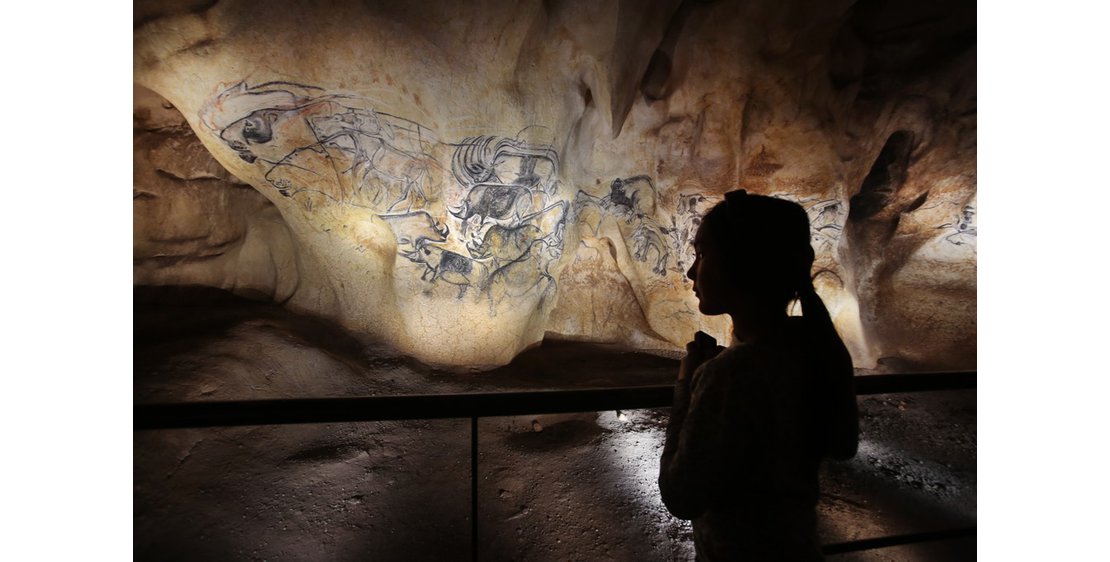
[(964, 230), (826, 219), (685, 221), (424, 172), (512, 220), (413, 230), (333, 145), (663, 243), (501, 237)]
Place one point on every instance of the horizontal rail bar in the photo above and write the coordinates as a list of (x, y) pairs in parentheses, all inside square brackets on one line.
[(382, 408), (441, 406), (897, 540)]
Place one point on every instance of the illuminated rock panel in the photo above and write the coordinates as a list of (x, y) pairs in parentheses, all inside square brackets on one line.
[(459, 179)]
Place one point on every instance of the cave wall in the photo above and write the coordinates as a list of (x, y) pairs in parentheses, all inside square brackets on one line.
[(459, 179)]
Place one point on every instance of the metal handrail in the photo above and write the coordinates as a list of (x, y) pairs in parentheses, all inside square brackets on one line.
[(440, 406)]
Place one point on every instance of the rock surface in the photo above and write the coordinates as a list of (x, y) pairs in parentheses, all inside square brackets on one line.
[(460, 179)]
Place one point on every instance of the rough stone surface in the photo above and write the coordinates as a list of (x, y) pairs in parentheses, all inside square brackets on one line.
[(551, 487), (195, 224), (460, 179)]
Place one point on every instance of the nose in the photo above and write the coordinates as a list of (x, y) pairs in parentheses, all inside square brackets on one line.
[(690, 273)]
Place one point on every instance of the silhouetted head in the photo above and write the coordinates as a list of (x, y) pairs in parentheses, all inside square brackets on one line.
[(752, 254)]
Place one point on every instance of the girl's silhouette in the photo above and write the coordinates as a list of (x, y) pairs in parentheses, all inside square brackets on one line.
[(751, 422)]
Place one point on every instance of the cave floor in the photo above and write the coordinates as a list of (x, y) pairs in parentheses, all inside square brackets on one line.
[(551, 487)]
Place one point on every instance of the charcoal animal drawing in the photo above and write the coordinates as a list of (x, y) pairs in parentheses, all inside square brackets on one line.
[(501, 236), (414, 229), (333, 145), (633, 203), (443, 264), (964, 230), (511, 218), (826, 218), (689, 209), (523, 274)]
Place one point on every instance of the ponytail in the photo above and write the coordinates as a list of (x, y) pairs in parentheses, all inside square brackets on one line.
[(836, 418)]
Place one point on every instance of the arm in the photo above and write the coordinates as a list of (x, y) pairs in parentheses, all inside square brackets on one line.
[(692, 469)]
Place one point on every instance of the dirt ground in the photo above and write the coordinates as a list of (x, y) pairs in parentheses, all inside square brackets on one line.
[(551, 487)]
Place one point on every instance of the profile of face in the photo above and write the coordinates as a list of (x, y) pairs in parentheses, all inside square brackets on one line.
[(711, 284)]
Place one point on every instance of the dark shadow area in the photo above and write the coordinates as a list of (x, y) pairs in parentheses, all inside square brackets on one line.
[(883, 46), (560, 364), (887, 175), (206, 343), (173, 313)]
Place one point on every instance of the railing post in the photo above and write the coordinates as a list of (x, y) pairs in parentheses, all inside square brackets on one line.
[(474, 488)]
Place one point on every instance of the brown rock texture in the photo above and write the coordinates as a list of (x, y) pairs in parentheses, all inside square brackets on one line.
[(459, 179), (194, 223)]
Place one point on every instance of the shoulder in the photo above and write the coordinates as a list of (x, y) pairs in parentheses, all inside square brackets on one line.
[(725, 368), (728, 359), (754, 367)]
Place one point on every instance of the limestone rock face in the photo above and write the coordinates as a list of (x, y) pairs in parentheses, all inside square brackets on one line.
[(194, 223), (459, 179)]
